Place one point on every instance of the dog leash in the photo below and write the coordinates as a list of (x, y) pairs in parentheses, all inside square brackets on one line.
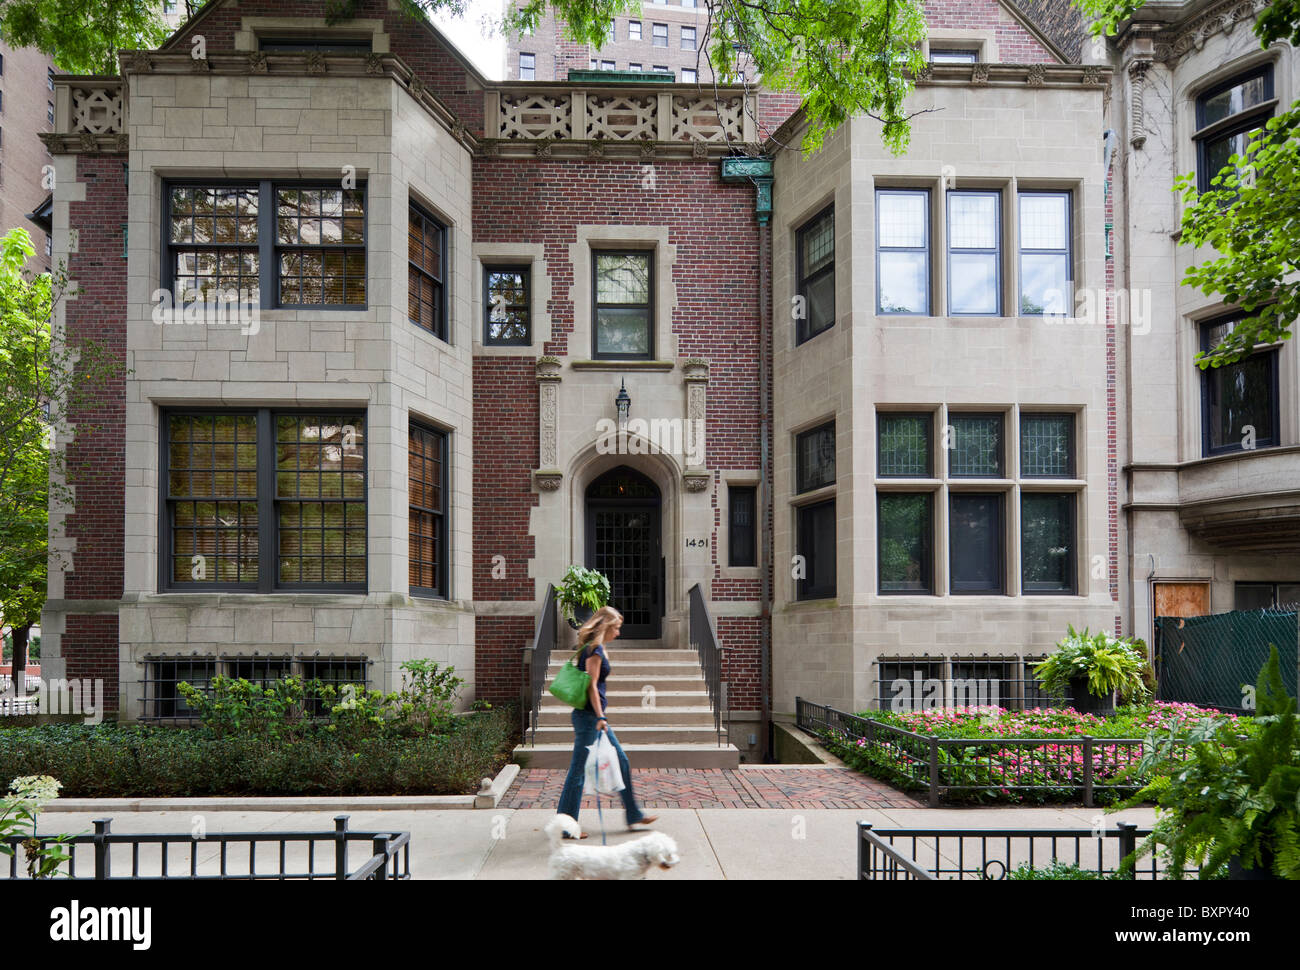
[(602, 818)]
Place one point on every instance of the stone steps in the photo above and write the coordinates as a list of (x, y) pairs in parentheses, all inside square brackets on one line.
[(676, 732)]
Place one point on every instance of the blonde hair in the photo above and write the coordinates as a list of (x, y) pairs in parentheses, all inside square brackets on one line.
[(594, 629)]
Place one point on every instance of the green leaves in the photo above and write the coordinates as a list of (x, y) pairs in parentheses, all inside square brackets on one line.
[(582, 587), (1110, 664), (46, 384), (83, 36), (842, 57), (1233, 791)]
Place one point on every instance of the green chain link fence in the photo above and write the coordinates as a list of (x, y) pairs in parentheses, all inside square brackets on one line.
[(1212, 660)]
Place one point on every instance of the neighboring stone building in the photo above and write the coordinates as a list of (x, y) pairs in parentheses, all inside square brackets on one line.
[(456, 281), (1211, 469), (26, 110)]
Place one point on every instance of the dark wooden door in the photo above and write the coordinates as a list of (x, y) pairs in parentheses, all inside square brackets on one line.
[(623, 542)]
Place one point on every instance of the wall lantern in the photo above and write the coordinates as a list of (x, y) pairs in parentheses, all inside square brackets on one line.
[(624, 404)]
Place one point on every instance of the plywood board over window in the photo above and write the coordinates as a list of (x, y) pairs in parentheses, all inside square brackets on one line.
[(1182, 599)]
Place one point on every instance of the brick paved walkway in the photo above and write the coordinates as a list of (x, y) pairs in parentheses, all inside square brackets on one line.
[(828, 787)]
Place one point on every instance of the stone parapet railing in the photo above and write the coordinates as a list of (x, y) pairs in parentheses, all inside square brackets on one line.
[(618, 118)]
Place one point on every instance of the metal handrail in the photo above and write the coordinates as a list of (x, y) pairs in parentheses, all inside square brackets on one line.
[(704, 639), (988, 853), (540, 661)]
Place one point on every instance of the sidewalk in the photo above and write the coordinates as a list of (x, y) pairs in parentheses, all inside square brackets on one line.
[(715, 843)]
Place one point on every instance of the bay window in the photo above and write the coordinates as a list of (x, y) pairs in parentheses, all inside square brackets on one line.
[(264, 500), (276, 244)]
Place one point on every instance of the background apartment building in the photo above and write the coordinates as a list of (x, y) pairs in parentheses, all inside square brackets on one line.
[(26, 110), (1211, 483), (666, 39)]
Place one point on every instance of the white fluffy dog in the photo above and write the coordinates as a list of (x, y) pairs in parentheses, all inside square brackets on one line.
[(631, 860)]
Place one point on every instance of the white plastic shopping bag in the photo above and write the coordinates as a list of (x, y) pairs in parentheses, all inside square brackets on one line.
[(603, 773)]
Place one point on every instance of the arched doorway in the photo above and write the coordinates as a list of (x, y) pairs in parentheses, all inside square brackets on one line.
[(624, 543)]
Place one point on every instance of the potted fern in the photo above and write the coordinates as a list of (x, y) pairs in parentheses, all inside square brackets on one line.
[(1228, 798), (1095, 669), (581, 593)]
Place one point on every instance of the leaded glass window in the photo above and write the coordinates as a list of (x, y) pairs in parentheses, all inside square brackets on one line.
[(1046, 445), (212, 498), (904, 445), (623, 305), (426, 456), (426, 243), (975, 446), (321, 246), (213, 243), (815, 458), (320, 498), (815, 258)]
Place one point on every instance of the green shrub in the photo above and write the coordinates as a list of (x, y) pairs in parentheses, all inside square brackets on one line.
[(106, 760), (1059, 870)]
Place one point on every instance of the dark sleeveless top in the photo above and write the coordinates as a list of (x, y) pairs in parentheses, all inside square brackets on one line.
[(604, 672)]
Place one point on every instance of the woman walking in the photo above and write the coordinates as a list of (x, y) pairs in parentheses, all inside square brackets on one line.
[(594, 636)]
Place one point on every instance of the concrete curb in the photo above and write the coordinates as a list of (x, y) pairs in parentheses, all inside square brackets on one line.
[(495, 789), (489, 796)]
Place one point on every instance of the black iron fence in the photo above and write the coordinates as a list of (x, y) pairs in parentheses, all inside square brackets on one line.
[(234, 855), (1214, 661), (704, 638), (930, 854), (538, 662), (1058, 768)]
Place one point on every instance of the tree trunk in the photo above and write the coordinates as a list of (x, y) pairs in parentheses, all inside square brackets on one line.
[(20, 635)]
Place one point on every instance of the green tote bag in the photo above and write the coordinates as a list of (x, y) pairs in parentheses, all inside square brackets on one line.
[(571, 683)]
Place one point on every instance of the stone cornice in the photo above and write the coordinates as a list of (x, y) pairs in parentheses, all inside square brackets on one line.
[(1175, 35), (311, 65), (980, 75)]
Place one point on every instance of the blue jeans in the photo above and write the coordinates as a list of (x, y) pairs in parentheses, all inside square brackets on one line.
[(584, 731)]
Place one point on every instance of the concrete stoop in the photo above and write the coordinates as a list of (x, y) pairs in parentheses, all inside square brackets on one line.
[(658, 703)]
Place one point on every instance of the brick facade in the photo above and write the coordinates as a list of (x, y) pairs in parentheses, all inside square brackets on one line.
[(722, 269), (95, 456), (716, 318)]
